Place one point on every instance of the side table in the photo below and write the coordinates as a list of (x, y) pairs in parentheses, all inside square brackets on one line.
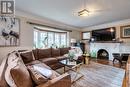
[(86, 59)]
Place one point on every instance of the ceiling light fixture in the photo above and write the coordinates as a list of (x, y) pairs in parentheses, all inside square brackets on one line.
[(83, 12)]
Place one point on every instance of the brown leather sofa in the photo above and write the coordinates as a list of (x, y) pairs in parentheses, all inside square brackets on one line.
[(50, 56)]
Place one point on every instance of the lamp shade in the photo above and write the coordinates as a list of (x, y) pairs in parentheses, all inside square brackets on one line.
[(73, 40)]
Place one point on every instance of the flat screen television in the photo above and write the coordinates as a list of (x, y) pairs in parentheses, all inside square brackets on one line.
[(108, 34)]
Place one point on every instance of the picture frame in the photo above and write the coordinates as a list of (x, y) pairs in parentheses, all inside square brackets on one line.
[(125, 31), (86, 35), (9, 31)]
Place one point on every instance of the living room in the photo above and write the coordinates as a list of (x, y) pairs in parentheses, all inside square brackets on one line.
[(66, 32)]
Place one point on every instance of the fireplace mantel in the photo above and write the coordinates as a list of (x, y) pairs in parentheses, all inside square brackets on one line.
[(106, 42), (110, 47)]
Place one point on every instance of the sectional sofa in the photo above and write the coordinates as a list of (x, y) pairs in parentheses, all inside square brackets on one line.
[(22, 77)]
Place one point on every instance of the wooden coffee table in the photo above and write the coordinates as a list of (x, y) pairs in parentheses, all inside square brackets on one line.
[(74, 67)]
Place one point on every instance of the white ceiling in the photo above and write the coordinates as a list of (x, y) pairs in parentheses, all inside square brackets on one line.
[(65, 11)]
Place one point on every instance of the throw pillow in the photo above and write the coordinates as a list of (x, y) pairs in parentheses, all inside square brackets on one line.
[(44, 71), (27, 56), (11, 63), (43, 65), (21, 75), (36, 76)]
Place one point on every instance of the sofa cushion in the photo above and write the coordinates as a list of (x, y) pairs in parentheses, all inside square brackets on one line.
[(27, 56), (49, 61), (35, 53), (21, 75), (44, 53), (61, 58), (64, 51), (55, 52), (36, 76)]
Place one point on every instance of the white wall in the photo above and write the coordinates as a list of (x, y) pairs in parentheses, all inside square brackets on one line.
[(26, 34)]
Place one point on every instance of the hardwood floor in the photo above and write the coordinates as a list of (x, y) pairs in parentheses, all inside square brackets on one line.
[(116, 64), (107, 62), (99, 75)]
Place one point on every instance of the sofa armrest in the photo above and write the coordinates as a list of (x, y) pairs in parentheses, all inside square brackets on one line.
[(61, 81)]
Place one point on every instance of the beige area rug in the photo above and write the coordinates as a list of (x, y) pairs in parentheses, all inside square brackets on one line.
[(99, 75)]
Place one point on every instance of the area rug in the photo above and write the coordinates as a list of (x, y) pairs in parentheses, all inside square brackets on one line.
[(99, 75)]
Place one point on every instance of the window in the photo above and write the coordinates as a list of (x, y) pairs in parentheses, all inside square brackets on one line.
[(86, 35), (46, 39), (57, 39), (50, 39), (35, 38), (42, 39), (63, 39)]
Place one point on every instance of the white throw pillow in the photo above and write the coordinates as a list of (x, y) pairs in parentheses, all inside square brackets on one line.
[(12, 62), (72, 51), (42, 65), (77, 50), (43, 70), (8, 78)]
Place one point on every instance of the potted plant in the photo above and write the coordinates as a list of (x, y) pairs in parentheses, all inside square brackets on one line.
[(71, 56)]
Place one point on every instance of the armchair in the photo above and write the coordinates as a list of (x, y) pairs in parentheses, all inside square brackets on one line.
[(120, 57)]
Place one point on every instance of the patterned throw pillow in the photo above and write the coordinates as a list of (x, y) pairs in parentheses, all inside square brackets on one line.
[(47, 72), (44, 67), (43, 70), (36, 76)]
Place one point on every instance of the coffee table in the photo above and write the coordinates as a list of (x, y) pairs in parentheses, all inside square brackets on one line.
[(73, 66)]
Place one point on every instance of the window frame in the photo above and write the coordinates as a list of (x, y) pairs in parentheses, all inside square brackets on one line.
[(54, 32), (85, 33)]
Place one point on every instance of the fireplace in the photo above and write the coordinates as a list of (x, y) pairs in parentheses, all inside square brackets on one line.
[(102, 54), (104, 49)]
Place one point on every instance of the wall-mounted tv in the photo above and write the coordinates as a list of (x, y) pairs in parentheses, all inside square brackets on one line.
[(107, 34)]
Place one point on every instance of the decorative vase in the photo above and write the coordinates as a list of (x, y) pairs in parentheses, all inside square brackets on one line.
[(71, 58)]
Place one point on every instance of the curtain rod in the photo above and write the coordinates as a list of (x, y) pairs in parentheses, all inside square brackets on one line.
[(48, 30), (48, 26)]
